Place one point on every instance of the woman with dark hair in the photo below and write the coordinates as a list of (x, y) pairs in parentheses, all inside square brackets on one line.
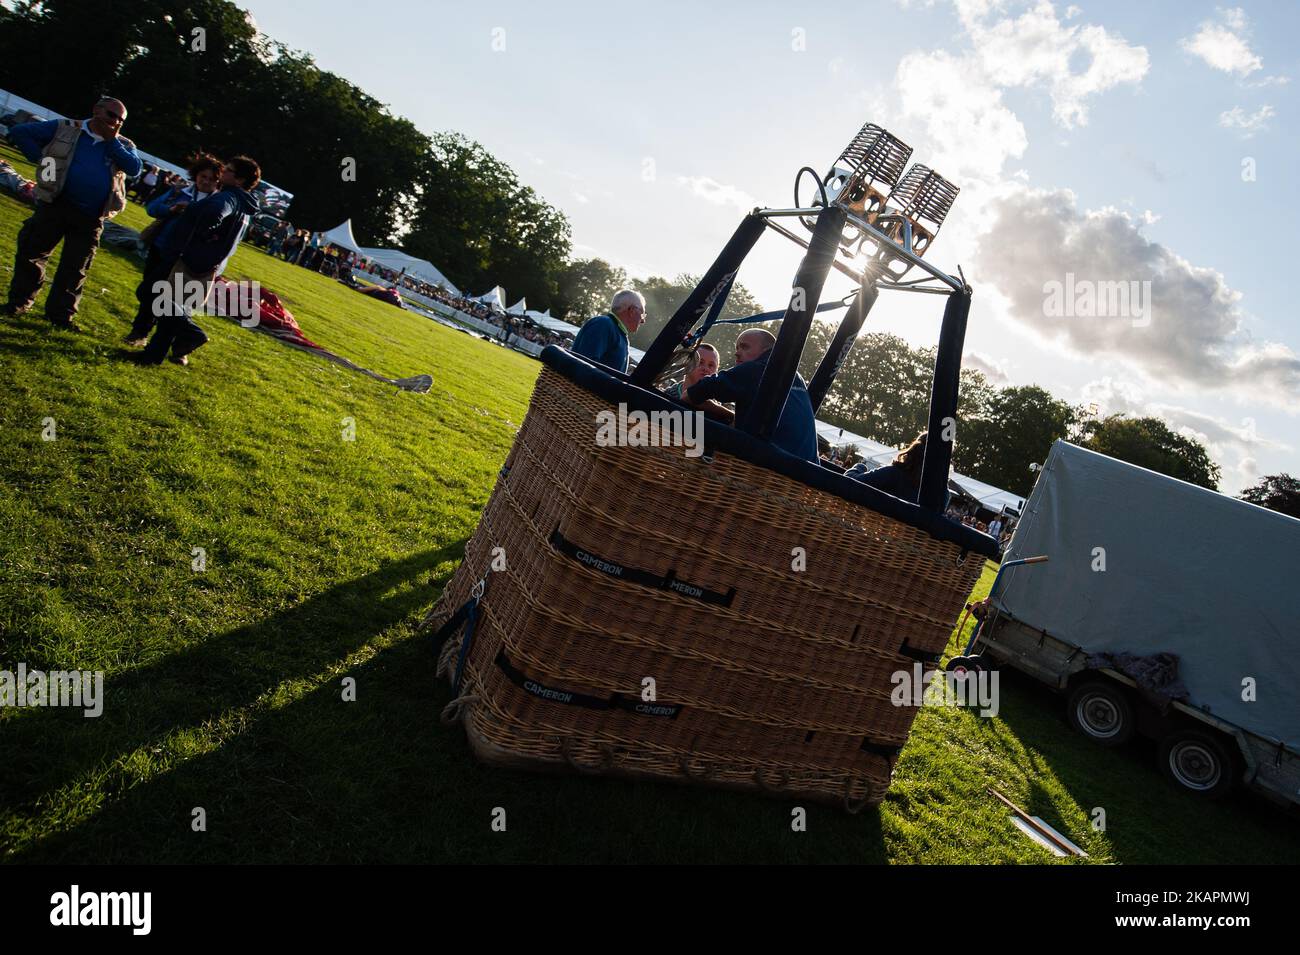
[(205, 172), (902, 477)]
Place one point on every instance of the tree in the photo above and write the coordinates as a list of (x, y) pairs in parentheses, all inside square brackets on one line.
[(585, 288), (1277, 492), (482, 227), (664, 296), (1149, 443), (1015, 429)]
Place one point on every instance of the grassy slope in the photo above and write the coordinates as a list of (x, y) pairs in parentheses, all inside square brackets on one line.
[(223, 687)]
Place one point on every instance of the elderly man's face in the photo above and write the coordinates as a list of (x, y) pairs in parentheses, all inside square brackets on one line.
[(108, 118), (632, 315)]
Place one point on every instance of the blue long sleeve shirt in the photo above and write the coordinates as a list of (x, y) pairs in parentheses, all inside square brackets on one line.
[(161, 208), (603, 339), (796, 431), (208, 231), (90, 171)]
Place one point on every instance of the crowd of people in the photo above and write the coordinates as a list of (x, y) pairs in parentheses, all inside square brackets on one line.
[(87, 166)]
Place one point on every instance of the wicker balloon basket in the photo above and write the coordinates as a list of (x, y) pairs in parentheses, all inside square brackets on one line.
[(696, 618)]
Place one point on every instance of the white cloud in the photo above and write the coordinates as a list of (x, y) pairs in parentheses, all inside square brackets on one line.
[(964, 117), (991, 369), (1036, 49), (1248, 123), (1225, 45), (1234, 447), (1193, 336), (720, 194)]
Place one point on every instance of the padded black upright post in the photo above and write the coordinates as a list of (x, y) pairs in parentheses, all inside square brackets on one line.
[(718, 277), (842, 343), (943, 403), (784, 363)]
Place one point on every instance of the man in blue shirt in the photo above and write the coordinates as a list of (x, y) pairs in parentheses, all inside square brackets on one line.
[(604, 338), (81, 172), (796, 431)]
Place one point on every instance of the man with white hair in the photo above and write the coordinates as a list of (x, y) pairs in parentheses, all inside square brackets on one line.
[(81, 172), (604, 338)]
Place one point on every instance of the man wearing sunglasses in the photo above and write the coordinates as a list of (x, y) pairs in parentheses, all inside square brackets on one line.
[(81, 172)]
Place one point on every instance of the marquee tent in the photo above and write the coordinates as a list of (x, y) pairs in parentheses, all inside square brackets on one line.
[(341, 235), (496, 297), (421, 269)]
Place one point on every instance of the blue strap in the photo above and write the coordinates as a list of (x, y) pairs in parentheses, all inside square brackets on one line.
[(753, 320), (471, 619)]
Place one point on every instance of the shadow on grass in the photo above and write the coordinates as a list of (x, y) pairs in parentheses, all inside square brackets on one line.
[(381, 780), (42, 750), (1148, 820)]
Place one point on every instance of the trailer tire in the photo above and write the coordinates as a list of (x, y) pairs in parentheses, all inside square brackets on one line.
[(1101, 711), (1198, 762)]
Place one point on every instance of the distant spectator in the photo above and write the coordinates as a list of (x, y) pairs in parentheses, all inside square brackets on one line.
[(995, 528), (84, 184)]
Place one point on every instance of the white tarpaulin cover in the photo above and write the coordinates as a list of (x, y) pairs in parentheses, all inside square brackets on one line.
[(421, 269), (519, 308), (1188, 571)]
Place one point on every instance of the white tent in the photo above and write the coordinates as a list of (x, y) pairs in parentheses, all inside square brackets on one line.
[(341, 235), (556, 325), (519, 308), (421, 269), (496, 297)]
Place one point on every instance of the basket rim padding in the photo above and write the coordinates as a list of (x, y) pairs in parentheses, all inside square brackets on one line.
[(614, 388)]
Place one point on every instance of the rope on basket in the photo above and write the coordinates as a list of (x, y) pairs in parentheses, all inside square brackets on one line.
[(465, 616)]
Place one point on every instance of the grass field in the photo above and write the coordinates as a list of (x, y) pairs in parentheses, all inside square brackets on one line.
[(223, 687)]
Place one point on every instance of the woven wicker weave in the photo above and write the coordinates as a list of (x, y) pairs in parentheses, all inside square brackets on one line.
[(781, 681)]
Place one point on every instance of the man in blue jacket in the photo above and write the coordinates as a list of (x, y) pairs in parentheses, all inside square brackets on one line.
[(604, 338), (796, 430), (199, 245), (81, 172)]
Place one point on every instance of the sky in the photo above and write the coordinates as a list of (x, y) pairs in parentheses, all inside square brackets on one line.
[(1153, 144)]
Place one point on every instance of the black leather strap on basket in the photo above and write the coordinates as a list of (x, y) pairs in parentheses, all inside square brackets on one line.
[(553, 694), (916, 653), (888, 750), (645, 578)]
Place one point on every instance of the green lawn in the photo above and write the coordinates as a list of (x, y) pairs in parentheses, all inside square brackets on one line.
[(223, 686)]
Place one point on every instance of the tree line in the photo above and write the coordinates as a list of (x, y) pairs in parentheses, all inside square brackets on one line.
[(199, 75)]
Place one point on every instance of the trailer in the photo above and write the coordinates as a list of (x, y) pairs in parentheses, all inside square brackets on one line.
[(1195, 594)]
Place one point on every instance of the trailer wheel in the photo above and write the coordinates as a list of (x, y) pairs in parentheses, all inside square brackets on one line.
[(959, 666), (1101, 711), (982, 663), (1198, 762)]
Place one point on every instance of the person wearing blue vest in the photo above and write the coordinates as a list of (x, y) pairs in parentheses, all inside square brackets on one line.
[(796, 430), (604, 338), (81, 172)]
